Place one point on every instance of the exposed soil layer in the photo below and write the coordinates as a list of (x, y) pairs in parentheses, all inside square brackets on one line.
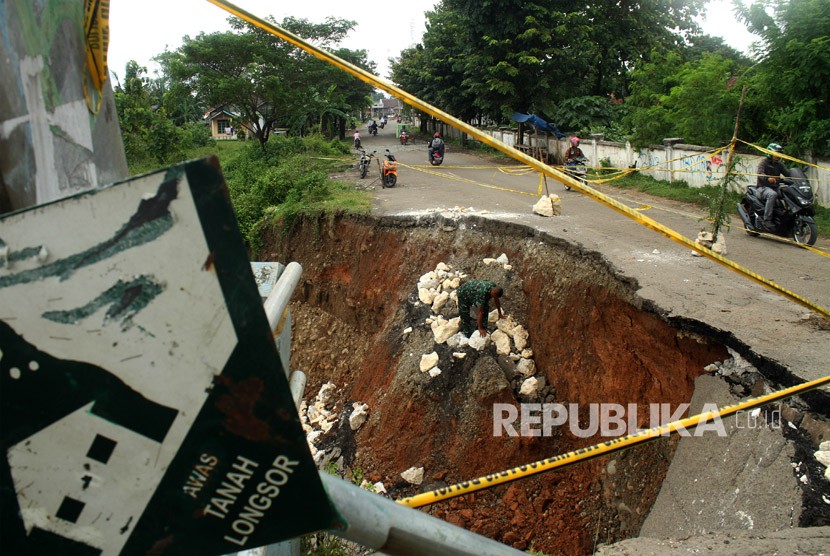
[(593, 340)]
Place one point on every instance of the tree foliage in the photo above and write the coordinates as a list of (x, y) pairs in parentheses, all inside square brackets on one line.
[(790, 81), (267, 81)]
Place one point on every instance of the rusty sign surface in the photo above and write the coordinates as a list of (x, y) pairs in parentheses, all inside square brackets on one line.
[(144, 406)]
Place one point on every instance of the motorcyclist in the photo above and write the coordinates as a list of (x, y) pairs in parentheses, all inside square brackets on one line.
[(373, 127), (437, 144), (574, 152), (382, 121), (770, 169), (356, 139)]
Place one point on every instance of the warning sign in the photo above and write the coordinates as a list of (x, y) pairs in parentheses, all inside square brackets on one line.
[(144, 406)]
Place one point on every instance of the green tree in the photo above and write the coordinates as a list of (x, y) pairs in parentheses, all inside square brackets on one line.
[(146, 129), (696, 100), (269, 82), (790, 81)]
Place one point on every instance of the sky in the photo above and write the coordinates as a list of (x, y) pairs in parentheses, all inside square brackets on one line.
[(139, 30)]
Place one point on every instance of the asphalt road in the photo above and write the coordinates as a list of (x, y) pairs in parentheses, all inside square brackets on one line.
[(681, 284)]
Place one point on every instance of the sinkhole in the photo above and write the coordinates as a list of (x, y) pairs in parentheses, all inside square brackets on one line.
[(593, 341)]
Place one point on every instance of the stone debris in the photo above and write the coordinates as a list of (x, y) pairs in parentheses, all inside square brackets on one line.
[(548, 205), (413, 475), (437, 289), (530, 387), (407, 330), (479, 342), (706, 239), (502, 342), (823, 457), (319, 418), (428, 361), (359, 415), (526, 367)]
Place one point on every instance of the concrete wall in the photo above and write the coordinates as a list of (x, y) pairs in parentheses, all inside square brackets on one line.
[(690, 163)]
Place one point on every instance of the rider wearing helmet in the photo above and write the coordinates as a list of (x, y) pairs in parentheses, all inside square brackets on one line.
[(573, 151), (436, 144), (769, 171)]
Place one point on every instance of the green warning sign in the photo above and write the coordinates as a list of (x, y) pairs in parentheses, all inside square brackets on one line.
[(144, 406)]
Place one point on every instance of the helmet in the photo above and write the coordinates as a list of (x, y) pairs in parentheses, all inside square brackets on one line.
[(574, 141), (437, 134), (774, 147)]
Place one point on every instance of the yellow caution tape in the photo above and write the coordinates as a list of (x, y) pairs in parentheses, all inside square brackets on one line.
[(97, 38), (414, 101), (782, 155), (605, 448)]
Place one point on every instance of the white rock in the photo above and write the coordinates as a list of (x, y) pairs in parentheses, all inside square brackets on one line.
[(426, 296), (823, 457), (548, 205), (326, 393), (443, 266), (379, 488), (429, 284), (326, 426), (655, 252), (459, 354), (543, 206), (428, 361), (520, 336), (508, 267), (458, 341), (428, 276), (358, 416), (502, 342), (478, 342), (530, 387), (445, 331), (824, 446), (527, 353), (455, 282), (502, 259), (413, 475), (435, 371), (312, 414), (493, 316), (407, 330), (506, 325), (439, 301), (488, 260), (526, 367), (446, 285), (720, 245)]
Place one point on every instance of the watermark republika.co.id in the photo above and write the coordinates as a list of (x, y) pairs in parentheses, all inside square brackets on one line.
[(611, 420)]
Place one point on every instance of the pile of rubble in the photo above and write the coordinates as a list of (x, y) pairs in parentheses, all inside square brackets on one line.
[(438, 290)]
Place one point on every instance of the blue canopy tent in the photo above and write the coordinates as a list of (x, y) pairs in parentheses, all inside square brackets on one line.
[(538, 123)]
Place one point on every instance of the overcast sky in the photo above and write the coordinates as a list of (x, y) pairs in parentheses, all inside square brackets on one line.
[(142, 29)]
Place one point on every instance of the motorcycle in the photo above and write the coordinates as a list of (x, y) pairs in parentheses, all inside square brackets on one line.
[(436, 157), (389, 170), (364, 162), (793, 213), (373, 129), (382, 124), (578, 168), (404, 137)]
